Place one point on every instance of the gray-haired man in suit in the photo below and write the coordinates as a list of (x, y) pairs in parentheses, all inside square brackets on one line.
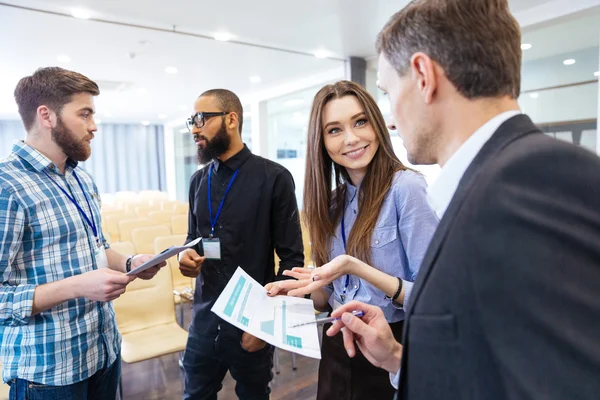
[(507, 302)]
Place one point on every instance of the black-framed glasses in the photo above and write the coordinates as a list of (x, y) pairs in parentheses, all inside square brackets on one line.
[(199, 119)]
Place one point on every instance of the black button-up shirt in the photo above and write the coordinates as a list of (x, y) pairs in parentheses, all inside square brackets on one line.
[(259, 215)]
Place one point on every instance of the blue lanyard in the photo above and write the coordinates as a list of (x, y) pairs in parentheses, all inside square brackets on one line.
[(90, 222), (344, 240), (213, 223)]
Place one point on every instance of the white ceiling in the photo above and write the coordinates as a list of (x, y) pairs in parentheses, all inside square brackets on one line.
[(569, 35), (343, 27), (104, 51)]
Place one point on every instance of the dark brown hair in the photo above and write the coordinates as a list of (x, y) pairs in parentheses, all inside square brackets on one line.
[(227, 101), (53, 87), (320, 215), (476, 42)]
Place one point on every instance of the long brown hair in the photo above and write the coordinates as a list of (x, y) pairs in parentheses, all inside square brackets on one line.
[(320, 215)]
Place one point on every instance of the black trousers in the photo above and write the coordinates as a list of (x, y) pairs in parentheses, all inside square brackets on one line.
[(210, 354), (345, 378)]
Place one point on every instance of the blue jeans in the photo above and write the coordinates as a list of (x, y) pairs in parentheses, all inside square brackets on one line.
[(208, 357), (100, 386)]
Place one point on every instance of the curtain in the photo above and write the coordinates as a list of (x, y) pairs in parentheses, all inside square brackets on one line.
[(9, 132), (124, 156)]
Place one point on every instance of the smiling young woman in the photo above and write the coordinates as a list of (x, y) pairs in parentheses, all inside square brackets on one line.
[(368, 235)]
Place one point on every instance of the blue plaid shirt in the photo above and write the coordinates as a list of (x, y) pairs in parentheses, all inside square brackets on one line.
[(44, 238)]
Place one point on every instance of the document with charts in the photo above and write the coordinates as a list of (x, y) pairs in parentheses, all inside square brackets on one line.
[(245, 304)]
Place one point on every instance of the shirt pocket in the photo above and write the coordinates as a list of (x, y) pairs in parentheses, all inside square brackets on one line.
[(386, 250), (433, 329), (383, 236), (434, 357)]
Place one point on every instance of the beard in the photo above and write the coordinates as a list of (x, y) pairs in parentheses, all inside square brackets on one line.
[(76, 150), (218, 145)]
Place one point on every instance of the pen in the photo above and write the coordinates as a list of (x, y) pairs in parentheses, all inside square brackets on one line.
[(356, 313)]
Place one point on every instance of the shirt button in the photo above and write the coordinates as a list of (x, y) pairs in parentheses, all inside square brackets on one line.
[(377, 242), (354, 211), (355, 286)]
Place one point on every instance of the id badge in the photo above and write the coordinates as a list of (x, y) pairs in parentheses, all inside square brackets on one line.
[(212, 248), (100, 256)]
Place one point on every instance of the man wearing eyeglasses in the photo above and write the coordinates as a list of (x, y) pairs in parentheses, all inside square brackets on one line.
[(244, 207)]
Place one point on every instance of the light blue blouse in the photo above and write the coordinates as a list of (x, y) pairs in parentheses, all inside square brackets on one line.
[(400, 239)]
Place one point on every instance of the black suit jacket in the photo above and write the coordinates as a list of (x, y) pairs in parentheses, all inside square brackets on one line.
[(507, 301)]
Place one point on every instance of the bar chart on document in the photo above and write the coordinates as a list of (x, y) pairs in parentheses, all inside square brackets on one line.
[(245, 304)]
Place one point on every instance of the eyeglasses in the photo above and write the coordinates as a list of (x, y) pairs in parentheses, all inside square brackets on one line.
[(199, 119)]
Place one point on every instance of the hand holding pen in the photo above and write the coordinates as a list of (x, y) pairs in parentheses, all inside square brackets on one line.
[(372, 334)]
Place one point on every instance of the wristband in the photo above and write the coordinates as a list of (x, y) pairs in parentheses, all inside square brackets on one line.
[(128, 263), (395, 297)]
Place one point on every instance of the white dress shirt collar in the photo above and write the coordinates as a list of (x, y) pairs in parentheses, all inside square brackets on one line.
[(440, 193)]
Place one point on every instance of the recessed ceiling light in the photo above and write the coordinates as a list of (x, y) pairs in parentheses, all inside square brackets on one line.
[(293, 102), (321, 54), (145, 123), (597, 73), (162, 116), (81, 14), (171, 70), (223, 36), (255, 79), (63, 58), (569, 61), (526, 46), (534, 95)]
